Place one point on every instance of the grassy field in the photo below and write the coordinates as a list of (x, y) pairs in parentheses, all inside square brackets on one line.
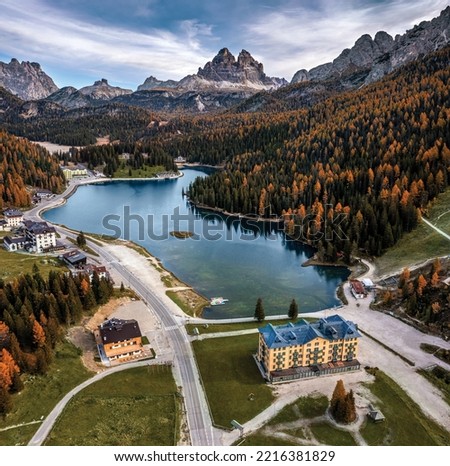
[(188, 301), (329, 435), (259, 439), (303, 422), (230, 375), (41, 393), (306, 407), (280, 430), (13, 264), (405, 423), (422, 243), (86, 249), (144, 172), (138, 406)]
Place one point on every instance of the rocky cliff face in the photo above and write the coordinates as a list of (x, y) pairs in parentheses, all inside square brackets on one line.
[(223, 72), (101, 90), (97, 94), (153, 83), (370, 59), (223, 82), (26, 80), (69, 97)]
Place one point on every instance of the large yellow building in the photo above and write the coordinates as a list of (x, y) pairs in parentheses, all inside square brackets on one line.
[(300, 350)]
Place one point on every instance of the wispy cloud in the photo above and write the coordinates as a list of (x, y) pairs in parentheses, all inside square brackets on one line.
[(30, 29), (303, 36), (128, 40)]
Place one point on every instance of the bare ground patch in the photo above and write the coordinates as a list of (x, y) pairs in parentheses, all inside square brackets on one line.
[(82, 337)]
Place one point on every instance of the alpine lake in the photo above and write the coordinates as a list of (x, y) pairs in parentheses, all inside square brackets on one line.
[(237, 259)]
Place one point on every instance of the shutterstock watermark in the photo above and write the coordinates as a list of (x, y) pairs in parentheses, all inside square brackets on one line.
[(213, 226)]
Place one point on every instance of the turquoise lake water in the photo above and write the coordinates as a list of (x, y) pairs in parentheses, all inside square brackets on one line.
[(239, 260)]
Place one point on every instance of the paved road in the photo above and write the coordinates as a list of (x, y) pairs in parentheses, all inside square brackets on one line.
[(442, 233), (200, 425), (199, 421), (198, 417)]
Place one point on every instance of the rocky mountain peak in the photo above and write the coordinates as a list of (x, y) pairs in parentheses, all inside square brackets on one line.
[(370, 59), (245, 60), (244, 71), (224, 56), (101, 82), (384, 41), (26, 80), (153, 83), (220, 68), (101, 90)]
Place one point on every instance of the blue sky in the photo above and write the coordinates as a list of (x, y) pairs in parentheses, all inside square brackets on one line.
[(125, 41)]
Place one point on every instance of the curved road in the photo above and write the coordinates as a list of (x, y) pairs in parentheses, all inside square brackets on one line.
[(198, 417)]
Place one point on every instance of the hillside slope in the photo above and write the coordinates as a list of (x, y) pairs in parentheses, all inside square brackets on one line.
[(25, 164)]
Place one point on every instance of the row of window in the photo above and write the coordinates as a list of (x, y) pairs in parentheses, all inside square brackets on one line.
[(339, 347), (317, 343)]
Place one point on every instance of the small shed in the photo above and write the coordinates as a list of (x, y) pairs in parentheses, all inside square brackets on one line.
[(368, 284), (375, 414)]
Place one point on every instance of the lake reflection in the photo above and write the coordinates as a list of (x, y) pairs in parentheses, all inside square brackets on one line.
[(238, 259)]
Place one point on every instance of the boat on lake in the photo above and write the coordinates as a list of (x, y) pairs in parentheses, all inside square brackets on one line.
[(218, 301)]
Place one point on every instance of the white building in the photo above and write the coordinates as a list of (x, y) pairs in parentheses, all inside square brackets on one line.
[(14, 243), (13, 218), (40, 236)]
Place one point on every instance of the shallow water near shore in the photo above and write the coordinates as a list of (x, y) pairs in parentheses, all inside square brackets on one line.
[(240, 260)]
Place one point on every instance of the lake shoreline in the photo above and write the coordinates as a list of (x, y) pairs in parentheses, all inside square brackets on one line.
[(243, 305)]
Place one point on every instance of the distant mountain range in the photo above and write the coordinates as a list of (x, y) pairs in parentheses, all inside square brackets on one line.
[(225, 81)]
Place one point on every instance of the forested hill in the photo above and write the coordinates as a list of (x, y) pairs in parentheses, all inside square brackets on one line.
[(25, 164), (377, 155)]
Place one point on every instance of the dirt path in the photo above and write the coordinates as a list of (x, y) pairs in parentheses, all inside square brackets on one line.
[(288, 393)]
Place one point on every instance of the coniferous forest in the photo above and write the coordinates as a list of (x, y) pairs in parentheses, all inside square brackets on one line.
[(359, 168), (22, 164), (108, 156), (34, 312)]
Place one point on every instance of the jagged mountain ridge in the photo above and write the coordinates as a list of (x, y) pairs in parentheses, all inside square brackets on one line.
[(224, 71), (153, 83), (371, 59), (226, 82), (220, 84), (26, 80), (101, 90)]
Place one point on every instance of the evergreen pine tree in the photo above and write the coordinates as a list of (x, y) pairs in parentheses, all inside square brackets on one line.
[(35, 269), (17, 384), (293, 310), (81, 240), (259, 311), (5, 401)]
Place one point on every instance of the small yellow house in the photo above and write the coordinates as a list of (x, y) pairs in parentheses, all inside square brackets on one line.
[(304, 349)]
